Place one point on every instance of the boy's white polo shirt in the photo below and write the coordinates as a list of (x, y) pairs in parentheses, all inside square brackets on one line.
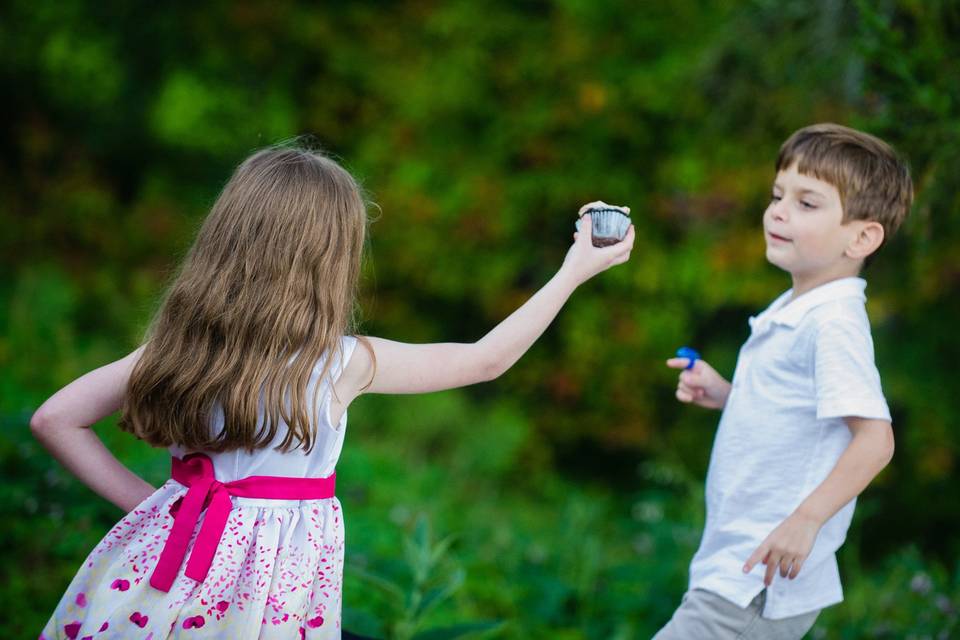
[(807, 364)]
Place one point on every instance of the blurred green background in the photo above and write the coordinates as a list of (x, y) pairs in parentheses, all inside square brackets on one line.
[(572, 486)]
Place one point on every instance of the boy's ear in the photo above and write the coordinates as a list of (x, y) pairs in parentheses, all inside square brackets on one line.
[(868, 239)]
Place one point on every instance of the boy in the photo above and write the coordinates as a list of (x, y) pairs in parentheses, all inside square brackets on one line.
[(805, 426)]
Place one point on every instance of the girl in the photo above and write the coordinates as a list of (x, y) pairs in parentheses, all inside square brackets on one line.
[(245, 376)]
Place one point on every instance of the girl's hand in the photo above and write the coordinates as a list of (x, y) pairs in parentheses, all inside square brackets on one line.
[(786, 548), (701, 385), (583, 260)]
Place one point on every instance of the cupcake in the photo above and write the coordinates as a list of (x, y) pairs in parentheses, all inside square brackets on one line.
[(610, 224)]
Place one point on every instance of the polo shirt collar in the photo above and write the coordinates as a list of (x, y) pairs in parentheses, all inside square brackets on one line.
[(791, 313)]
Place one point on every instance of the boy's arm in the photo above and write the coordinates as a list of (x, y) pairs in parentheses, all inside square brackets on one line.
[(787, 547), (701, 385), (62, 423)]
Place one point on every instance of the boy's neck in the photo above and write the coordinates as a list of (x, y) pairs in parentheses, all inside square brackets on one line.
[(802, 283)]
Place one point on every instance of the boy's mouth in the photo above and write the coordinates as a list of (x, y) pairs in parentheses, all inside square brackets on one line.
[(774, 236)]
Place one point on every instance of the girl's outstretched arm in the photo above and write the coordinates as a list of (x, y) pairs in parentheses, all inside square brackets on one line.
[(62, 424), (421, 368)]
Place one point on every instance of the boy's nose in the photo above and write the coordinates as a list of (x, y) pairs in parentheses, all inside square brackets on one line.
[(778, 210)]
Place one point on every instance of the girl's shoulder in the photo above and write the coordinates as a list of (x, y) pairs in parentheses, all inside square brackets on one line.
[(355, 368)]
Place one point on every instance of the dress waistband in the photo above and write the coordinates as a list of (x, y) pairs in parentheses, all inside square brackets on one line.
[(196, 472)]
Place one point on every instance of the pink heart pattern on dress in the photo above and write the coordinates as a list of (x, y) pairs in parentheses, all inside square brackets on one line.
[(139, 619), (72, 630), (194, 623), (120, 584), (313, 623)]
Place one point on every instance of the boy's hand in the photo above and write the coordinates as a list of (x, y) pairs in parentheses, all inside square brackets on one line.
[(583, 260), (786, 547), (701, 385)]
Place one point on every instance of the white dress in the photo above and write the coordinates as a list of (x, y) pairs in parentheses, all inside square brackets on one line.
[(278, 568)]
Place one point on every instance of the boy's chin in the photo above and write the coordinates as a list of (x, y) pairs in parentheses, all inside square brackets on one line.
[(776, 260)]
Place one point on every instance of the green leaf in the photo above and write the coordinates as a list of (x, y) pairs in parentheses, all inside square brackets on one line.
[(458, 631), (436, 596), (392, 591)]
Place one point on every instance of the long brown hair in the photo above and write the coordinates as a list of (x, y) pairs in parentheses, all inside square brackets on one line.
[(267, 288)]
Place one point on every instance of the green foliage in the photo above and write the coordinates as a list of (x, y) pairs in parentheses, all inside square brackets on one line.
[(907, 598), (573, 485), (406, 606)]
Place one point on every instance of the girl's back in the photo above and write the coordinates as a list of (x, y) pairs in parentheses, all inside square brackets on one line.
[(320, 462), (235, 380)]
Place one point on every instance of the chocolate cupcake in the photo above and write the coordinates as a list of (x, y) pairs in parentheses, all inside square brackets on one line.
[(610, 224)]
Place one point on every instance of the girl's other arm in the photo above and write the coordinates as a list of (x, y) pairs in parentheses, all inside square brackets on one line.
[(421, 368), (62, 423)]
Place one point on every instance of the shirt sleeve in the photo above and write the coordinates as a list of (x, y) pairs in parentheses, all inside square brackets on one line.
[(847, 380)]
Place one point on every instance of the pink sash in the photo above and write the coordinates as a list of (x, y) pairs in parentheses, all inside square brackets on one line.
[(196, 472)]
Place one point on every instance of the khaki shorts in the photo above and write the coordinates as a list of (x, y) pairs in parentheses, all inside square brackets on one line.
[(703, 615)]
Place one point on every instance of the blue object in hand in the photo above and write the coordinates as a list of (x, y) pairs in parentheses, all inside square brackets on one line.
[(690, 354)]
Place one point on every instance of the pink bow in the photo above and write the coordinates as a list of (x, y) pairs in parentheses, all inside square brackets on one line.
[(196, 472)]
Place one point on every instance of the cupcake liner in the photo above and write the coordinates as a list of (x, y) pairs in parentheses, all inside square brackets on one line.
[(609, 226)]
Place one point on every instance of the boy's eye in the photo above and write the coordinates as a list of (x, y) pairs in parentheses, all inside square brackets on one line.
[(807, 205), (775, 198)]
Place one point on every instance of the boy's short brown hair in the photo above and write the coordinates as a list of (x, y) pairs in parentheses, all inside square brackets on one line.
[(873, 181)]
